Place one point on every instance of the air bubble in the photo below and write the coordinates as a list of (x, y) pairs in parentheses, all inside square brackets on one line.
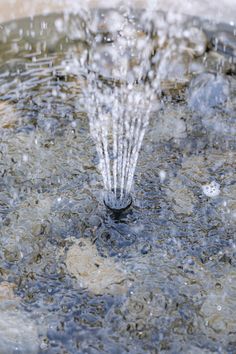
[(211, 190)]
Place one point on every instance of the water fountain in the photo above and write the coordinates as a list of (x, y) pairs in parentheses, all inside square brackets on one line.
[(138, 106), (119, 106), (118, 118)]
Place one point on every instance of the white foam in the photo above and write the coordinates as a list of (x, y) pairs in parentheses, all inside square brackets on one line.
[(211, 190)]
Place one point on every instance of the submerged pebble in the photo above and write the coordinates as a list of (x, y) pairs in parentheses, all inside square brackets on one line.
[(95, 273), (181, 197), (6, 291), (197, 167), (8, 116), (220, 305)]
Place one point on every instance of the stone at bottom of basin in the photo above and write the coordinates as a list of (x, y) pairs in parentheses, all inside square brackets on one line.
[(220, 305), (8, 117), (182, 197), (97, 274), (6, 291)]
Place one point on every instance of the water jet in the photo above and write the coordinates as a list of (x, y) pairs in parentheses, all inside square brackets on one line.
[(118, 118)]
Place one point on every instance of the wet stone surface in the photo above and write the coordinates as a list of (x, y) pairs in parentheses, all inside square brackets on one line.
[(161, 278)]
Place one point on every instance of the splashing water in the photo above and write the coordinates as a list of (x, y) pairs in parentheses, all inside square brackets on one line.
[(118, 117), (119, 105)]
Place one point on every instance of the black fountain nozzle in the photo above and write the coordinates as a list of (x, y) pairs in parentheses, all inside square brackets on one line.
[(116, 202)]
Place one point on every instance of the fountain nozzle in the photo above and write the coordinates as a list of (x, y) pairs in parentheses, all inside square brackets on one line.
[(116, 202)]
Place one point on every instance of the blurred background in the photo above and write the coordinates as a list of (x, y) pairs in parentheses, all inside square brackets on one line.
[(224, 10)]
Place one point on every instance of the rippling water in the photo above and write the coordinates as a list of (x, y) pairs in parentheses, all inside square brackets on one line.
[(162, 277)]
